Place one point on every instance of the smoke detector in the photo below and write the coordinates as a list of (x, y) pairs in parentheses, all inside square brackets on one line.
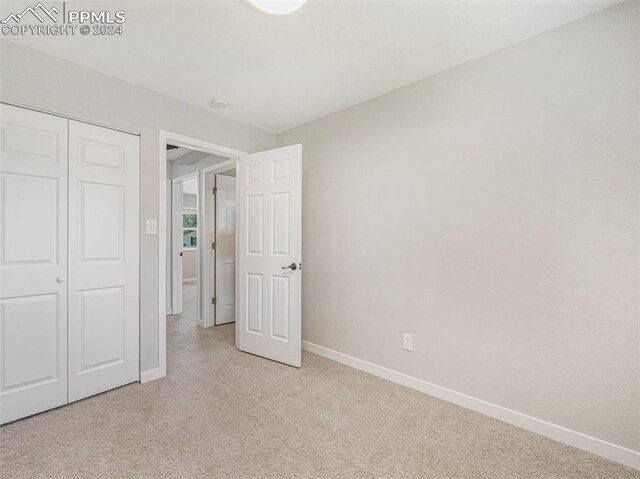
[(218, 103)]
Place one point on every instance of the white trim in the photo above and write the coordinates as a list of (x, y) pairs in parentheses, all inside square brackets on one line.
[(200, 145), (67, 117), (169, 288), (162, 256), (205, 238), (189, 280), (150, 375), (576, 439), (222, 166), (193, 176), (195, 144), (175, 238)]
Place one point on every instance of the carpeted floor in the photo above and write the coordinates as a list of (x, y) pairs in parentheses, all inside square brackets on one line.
[(190, 298), (221, 413)]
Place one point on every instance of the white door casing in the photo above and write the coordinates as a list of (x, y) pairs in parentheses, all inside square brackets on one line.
[(176, 246), (168, 249), (207, 221), (103, 259), (33, 262), (225, 252), (269, 234)]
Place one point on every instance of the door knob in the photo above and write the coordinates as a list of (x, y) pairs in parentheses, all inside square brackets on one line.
[(292, 267), (60, 279)]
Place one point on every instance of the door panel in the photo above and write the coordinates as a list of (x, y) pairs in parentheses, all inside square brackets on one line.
[(30, 359), (225, 250), (269, 233), (101, 221), (30, 207), (33, 262), (102, 326), (280, 288), (280, 229), (103, 259)]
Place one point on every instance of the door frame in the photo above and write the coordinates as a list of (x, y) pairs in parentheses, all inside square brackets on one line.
[(195, 144), (176, 279)]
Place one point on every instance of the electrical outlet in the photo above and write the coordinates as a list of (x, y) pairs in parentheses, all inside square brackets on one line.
[(407, 342)]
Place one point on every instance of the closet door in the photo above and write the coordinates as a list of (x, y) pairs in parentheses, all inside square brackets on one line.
[(103, 259), (33, 262)]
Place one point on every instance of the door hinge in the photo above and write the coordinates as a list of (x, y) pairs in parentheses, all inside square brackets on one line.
[(215, 190), (213, 245), (213, 300)]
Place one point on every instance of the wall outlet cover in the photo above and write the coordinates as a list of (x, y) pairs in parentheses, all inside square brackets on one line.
[(407, 342)]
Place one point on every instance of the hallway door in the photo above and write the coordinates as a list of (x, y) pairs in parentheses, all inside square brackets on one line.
[(225, 249), (270, 254)]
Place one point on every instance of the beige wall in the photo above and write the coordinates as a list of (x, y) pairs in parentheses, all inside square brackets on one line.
[(190, 201), (492, 212), (190, 265), (39, 80)]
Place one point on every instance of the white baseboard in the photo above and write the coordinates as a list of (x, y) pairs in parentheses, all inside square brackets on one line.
[(150, 375), (590, 444)]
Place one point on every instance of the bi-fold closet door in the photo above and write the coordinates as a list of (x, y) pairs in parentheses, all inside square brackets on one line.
[(69, 293)]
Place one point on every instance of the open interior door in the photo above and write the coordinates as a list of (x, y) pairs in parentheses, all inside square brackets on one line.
[(270, 254), (176, 246), (225, 251)]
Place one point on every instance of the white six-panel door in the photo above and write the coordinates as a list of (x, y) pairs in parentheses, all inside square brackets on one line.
[(270, 254), (103, 259), (33, 262), (225, 307)]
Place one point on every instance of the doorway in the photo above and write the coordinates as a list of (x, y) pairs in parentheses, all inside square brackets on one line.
[(198, 237), (188, 236), (267, 256)]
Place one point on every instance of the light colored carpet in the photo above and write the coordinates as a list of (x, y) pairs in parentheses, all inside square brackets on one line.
[(221, 413), (190, 298)]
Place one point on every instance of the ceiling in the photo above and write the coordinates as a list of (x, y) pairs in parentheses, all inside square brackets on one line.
[(175, 153), (185, 156), (278, 72)]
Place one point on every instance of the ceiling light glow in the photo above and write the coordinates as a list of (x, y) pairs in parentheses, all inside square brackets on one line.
[(278, 7)]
